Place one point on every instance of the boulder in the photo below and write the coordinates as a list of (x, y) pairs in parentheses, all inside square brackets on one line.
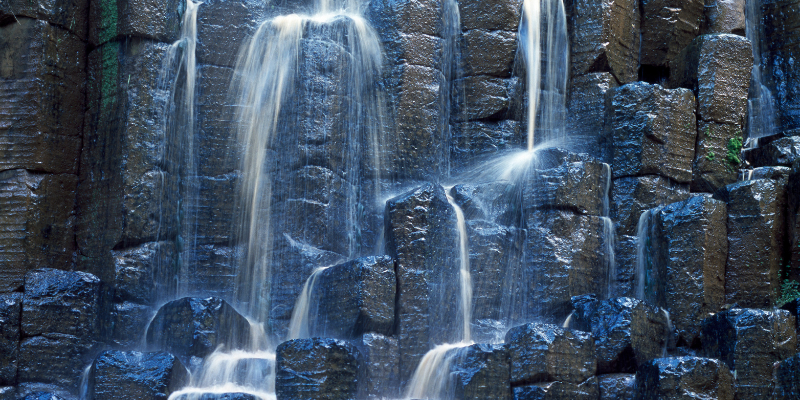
[(783, 151), (120, 374), (627, 332), (129, 321), (379, 368), (64, 302), (589, 113), (422, 238), (195, 327), (355, 298), (316, 369), (544, 353), (787, 378), (10, 314), (692, 247), (755, 241), (667, 27), (481, 371), (38, 224), (145, 274), (684, 378), (750, 342), (578, 186), (158, 20), (55, 358), (43, 83), (617, 386), (653, 132), (587, 390), (604, 37)]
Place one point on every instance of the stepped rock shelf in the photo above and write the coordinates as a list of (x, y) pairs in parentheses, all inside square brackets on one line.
[(399, 199)]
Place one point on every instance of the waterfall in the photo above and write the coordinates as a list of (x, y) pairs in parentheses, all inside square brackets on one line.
[(465, 279), (609, 235), (761, 113), (432, 376), (644, 258), (543, 32), (298, 326)]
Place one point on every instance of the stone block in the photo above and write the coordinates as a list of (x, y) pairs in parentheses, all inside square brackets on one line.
[(716, 161), (223, 25), (484, 97), (480, 139), (63, 302), (779, 47), (317, 368), (131, 374), (750, 342), (717, 68), (488, 52), (213, 270), (578, 186), (145, 274), (627, 332), (152, 19), (195, 327), (215, 121), (130, 322), (68, 14), (355, 298), (38, 224), (422, 237), (617, 386), (653, 131), (724, 16), (631, 196), (10, 316), (564, 257), (544, 353), (42, 88), (604, 37), (691, 249), (212, 208), (481, 371), (490, 15), (756, 223), (667, 27), (783, 151), (55, 358), (589, 113), (684, 378), (498, 202), (787, 379), (379, 368), (587, 390)]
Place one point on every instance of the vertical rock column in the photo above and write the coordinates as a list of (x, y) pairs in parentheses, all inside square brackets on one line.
[(781, 50)]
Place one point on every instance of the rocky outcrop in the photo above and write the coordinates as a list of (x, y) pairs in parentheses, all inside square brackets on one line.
[(481, 371), (316, 369), (684, 378), (546, 353), (151, 376)]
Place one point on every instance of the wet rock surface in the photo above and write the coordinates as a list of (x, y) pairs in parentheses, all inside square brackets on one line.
[(118, 374), (558, 391), (378, 371), (316, 369), (589, 113), (481, 371), (617, 386), (751, 342), (545, 353), (783, 151), (787, 378), (159, 20), (195, 327), (667, 27), (10, 315), (578, 186), (684, 378)]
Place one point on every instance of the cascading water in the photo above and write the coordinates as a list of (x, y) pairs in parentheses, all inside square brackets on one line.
[(644, 258), (465, 279), (761, 115), (609, 235), (298, 326)]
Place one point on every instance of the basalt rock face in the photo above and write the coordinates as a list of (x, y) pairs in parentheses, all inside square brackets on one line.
[(783, 151), (481, 371), (195, 327), (667, 27), (787, 378), (317, 369), (152, 376), (684, 378), (617, 386), (545, 353), (158, 20), (558, 391), (589, 113), (10, 314), (780, 26), (378, 371), (751, 342)]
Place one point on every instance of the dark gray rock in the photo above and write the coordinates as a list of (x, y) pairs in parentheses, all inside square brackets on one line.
[(692, 247), (212, 270), (119, 374), (632, 196), (125, 194), (750, 342), (41, 396), (717, 69), (222, 26), (627, 332), (543, 353), (484, 97), (481, 371), (156, 19), (787, 379), (499, 202), (215, 113), (589, 114), (684, 378), (480, 139), (10, 316), (422, 238), (783, 151), (587, 390), (43, 84), (617, 386), (64, 302), (490, 15), (578, 186), (793, 217), (667, 27), (317, 369), (716, 163), (779, 47), (195, 327), (68, 14), (355, 298), (724, 16), (55, 358), (379, 368), (625, 253), (145, 272), (564, 257), (604, 37), (488, 52), (213, 209), (755, 239), (129, 321), (653, 131), (38, 224), (218, 396)]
